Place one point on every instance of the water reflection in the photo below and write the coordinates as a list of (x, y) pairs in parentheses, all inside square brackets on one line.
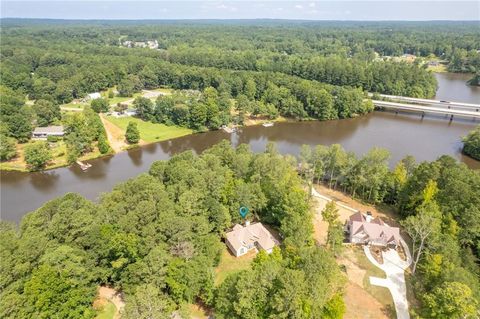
[(136, 156), (44, 181)]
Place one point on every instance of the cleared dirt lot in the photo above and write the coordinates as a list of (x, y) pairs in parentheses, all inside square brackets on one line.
[(362, 299)]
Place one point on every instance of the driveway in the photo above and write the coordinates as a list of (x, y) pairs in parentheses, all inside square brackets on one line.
[(394, 267)]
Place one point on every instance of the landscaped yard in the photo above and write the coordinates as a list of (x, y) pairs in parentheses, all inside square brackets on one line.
[(230, 264), (150, 132)]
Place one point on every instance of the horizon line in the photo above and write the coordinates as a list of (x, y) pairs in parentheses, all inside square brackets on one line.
[(236, 19)]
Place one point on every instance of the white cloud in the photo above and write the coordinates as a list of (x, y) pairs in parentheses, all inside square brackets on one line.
[(312, 5), (298, 6)]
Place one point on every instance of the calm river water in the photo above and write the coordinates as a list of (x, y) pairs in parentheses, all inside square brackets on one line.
[(402, 134)]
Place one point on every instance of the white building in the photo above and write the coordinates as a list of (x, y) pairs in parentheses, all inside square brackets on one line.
[(93, 96)]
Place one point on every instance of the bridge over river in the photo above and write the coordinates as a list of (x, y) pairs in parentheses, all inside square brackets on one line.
[(423, 106)]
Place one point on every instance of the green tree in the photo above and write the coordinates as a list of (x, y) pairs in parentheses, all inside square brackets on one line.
[(100, 105), (471, 143), (8, 148), (37, 155), (451, 300), (103, 145), (422, 228), (47, 112), (335, 237), (148, 302), (330, 212), (144, 108), (132, 135)]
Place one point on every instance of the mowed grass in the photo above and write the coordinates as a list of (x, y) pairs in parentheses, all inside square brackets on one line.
[(80, 105), (107, 312), (150, 132), (230, 264)]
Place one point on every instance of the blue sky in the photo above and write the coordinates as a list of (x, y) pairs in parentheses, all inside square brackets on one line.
[(305, 10)]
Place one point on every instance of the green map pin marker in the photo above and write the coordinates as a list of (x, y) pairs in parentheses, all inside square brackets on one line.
[(243, 211)]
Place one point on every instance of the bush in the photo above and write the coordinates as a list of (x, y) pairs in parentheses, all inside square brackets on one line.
[(103, 145), (8, 149), (111, 95), (53, 139), (132, 134), (37, 155)]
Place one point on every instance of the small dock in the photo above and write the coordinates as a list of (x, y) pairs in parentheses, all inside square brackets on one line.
[(84, 166), (268, 124), (228, 129)]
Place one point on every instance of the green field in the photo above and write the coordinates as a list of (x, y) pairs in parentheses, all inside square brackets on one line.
[(151, 132)]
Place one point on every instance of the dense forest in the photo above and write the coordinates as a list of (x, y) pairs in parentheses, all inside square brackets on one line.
[(158, 237)]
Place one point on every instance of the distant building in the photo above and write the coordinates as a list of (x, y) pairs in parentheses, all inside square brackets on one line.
[(433, 63), (44, 132), (364, 229), (93, 96), (251, 236), (128, 44), (152, 44), (139, 44)]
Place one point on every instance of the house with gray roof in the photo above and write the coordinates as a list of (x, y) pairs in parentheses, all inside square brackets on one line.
[(44, 132)]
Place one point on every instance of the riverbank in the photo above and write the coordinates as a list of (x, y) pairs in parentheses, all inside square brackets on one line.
[(58, 150), (115, 128)]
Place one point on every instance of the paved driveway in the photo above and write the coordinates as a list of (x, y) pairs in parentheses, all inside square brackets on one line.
[(394, 267)]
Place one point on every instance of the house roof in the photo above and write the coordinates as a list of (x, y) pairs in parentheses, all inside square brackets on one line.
[(246, 235), (358, 216), (48, 129), (95, 95), (375, 230)]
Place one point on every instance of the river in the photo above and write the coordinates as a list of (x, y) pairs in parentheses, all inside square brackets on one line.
[(401, 134)]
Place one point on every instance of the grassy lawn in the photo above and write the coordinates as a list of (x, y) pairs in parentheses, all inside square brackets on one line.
[(163, 90), (59, 154), (75, 105), (120, 99), (230, 264), (107, 311), (150, 132)]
